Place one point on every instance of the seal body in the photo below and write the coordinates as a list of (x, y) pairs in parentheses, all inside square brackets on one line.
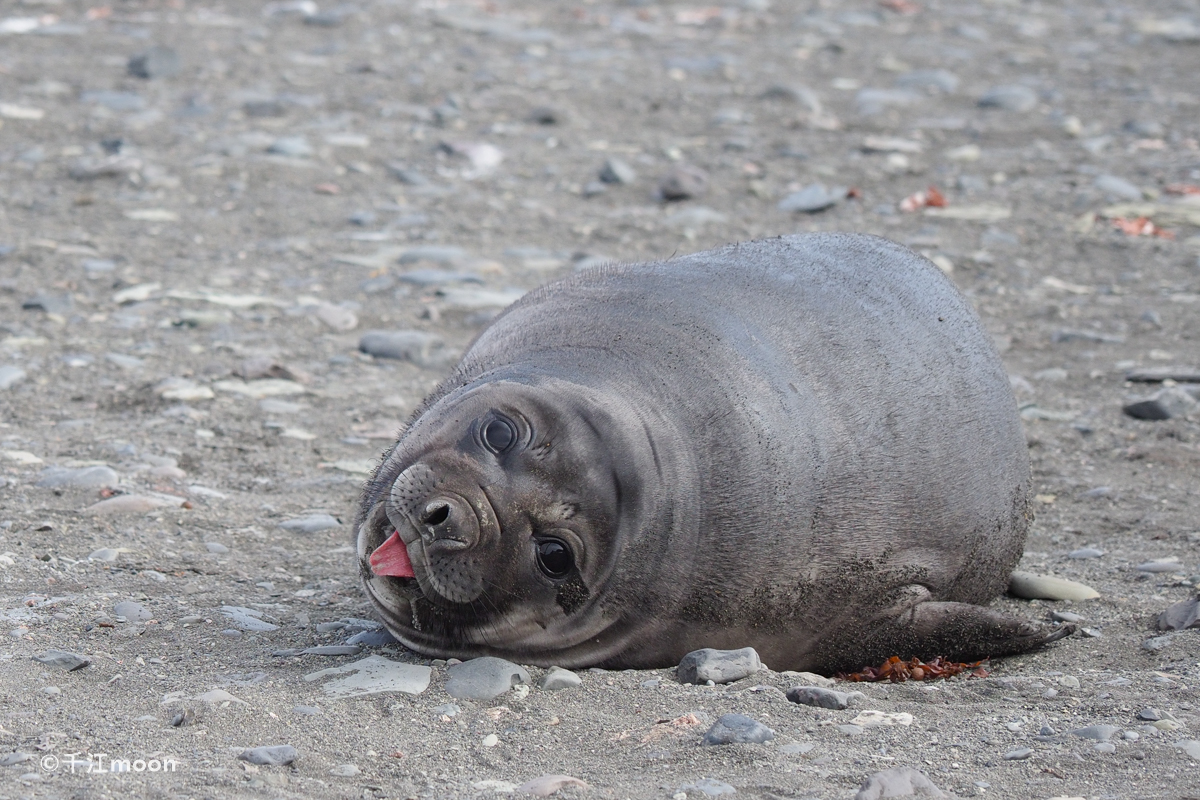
[(806, 445)]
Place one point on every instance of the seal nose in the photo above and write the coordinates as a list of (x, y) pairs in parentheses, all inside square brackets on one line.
[(436, 513), (445, 523)]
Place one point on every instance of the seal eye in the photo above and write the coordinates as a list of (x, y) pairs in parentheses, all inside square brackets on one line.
[(499, 434), (554, 558)]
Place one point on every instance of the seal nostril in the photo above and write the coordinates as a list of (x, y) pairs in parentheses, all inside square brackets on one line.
[(436, 513)]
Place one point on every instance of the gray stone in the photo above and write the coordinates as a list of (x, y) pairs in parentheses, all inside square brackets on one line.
[(617, 171), (709, 787), (437, 253), (737, 729), (1170, 403), (114, 101), (81, 478), (1157, 643), (1010, 98), (1149, 714), (63, 659), (373, 675), (1066, 616), (1118, 188), (157, 62), (1104, 747), (332, 650), (718, 666), (823, 698), (1069, 335), (10, 376), (312, 523), (876, 101), (1020, 754), (813, 198), (216, 548), (12, 759), (558, 678), (306, 711), (421, 348), (447, 710), (1085, 552), (371, 639), (50, 303), (104, 554), (939, 79), (345, 771), (483, 678), (1191, 747), (291, 146), (1098, 733), (684, 182), (247, 619), (898, 782), (133, 612), (1160, 567), (275, 755)]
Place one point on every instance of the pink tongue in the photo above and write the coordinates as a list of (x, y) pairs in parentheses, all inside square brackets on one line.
[(391, 558)]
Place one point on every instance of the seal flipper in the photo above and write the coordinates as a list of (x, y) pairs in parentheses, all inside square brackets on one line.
[(956, 631)]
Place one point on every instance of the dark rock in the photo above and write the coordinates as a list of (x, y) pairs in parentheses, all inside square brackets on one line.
[(332, 650), (276, 755), (683, 183), (823, 698), (483, 678), (737, 729), (898, 782), (1181, 616), (421, 348), (1158, 374), (617, 171), (1149, 715), (157, 62), (1170, 403), (547, 115), (718, 666), (371, 639), (63, 660)]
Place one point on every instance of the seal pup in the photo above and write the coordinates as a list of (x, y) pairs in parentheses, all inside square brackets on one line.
[(807, 445)]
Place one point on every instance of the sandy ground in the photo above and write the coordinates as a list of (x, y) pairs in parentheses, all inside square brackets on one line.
[(190, 258)]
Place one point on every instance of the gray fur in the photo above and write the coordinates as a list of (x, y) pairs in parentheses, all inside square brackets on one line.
[(806, 445)]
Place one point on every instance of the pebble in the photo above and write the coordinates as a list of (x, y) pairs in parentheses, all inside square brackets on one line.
[(312, 523), (1066, 616), (12, 759), (483, 678), (898, 782), (157, 62), (546, 785), (332, 650), (247, 619), (306, 711), (876, 101), (1104, 747), (813, 198), (1085, 552), (291, 146), (133, 612), (1099, 733), (1010, 98), (558, 678), (50, 303), (371, 639), (491, 740), (939, 79), (1149, 714), (1020, 754), (823, 698), (1157, 643), (684, 182), (447, 710), (421, 348), (617, 171), (1117, 188), (737, 729), (875, 719), (276, 755), (797, 748), (1170, 403), (131, 504), (81, 478), (718, 666), (10, 376), (1046, 587), (216, 548), (104, 554), (373, 675), (707, 786), (1161, 566), (63, 660), (1191, 747), (1069, 681), (345, 771)]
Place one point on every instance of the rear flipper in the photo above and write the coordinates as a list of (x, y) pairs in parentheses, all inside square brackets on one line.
[(956, 631)]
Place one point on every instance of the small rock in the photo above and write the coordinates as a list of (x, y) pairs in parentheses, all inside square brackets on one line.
[(707, 786), (718, 666), (547, 785), (216, 548), (63, 660), (306, 711), (134, 612), (371, 639), (875, 719), (483, 678), (737, 729), (345, 771), (1066, 616), (277, 755), (939, 79), (558, 678), (813, 198), (1104, 747), (1118, 188), (547, 115), (617, 171), (1170, 403), (1069, 681), (1160, 566), (373, 675), (291, 146), (104, 554), (12, 759), (313, 523), (1157, 643), (683, 183), (491, 740), (1085, 552), (421, 348), (1020, 754), (336, 317), (1010, 98), (1191, 747), (332, 650), (83, 477), (1098, 733), (447, 710), (157, 62), (1149, 714), (823, 698), (130, 504), (898, 782), (10, 376), (1046, 587), (247, 619)]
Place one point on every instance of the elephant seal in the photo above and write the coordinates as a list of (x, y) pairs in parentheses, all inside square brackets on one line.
[(806, 445)]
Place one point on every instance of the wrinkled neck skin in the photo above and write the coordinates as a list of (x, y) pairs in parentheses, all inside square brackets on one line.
[(585, 471)]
